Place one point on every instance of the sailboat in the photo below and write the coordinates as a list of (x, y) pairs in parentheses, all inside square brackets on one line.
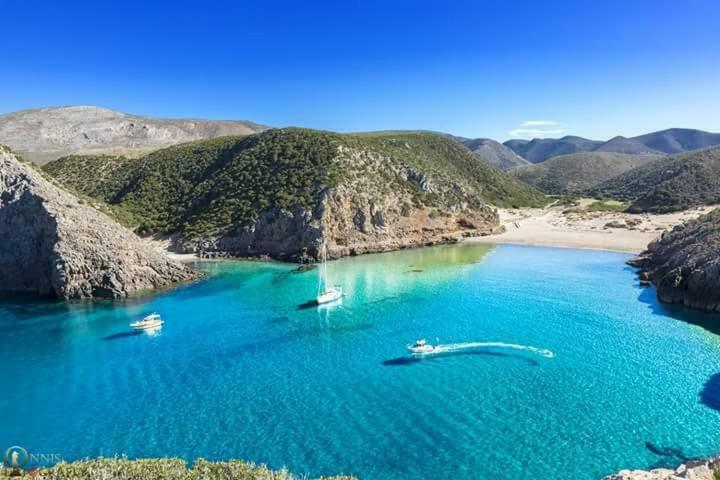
[(326, 294)]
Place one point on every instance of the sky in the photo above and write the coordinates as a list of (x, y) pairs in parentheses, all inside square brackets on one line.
[(497, 69)]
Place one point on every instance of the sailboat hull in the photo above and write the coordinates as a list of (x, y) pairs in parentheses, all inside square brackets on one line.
[(330, 295)]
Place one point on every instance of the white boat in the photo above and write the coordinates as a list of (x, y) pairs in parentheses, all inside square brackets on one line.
[(421, 346), (330, 295), (326, 294), (152, 321)]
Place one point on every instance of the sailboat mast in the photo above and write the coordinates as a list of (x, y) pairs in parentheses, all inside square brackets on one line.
[(322, 284)]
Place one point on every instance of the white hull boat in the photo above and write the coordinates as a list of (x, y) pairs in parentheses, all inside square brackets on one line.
[(421, 347), (151, 322), (330, 295)]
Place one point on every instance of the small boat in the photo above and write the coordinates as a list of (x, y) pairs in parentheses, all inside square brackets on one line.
[(329, 295), (421, 346), (326, 294), (152, 321)]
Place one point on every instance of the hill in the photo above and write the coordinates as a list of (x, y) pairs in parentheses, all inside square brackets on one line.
[(540, 149), (684, 264), (621, 144), (677, 140), (574, 173), (673, 183), (45, 134), (282, 192), (674, 140), (56, 244), (495, 153)]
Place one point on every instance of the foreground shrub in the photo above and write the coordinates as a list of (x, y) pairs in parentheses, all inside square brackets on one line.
[(155, 469)]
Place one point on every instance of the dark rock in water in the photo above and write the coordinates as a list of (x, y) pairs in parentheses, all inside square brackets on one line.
[(684, 264), (55, 244), (305, 267)]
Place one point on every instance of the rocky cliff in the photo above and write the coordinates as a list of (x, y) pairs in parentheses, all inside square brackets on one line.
[(45, 134), (283, 192), (684, 264), (55, 244)]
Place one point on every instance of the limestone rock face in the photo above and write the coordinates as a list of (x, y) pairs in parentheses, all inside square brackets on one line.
[(692, 470), (54, 244), (684, 264)]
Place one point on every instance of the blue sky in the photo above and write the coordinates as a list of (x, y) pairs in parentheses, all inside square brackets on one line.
[(480, 69)]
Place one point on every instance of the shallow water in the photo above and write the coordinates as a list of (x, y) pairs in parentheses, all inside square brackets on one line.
[(246, 367)]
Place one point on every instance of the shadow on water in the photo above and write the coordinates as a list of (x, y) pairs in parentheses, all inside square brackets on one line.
[(412, 360), (672, 456), (710, 393), (117, 336), (707, 321), (280, 319), (307, 305)]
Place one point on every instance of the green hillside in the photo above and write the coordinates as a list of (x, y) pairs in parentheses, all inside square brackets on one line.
[(574, 173), (672, 183), (211, 187)]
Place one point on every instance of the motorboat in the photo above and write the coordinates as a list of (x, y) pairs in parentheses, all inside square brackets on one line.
[(421, 347), (326, 294), (152, 321)]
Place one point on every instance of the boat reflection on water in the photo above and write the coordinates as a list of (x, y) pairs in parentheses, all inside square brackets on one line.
[(153, 332)]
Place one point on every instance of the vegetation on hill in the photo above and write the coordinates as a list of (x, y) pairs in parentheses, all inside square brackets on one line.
[(575, 173), (211, 187), (441, 157), (669, 184), (154, 469)]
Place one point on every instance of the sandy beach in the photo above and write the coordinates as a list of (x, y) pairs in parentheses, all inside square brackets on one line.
[(558, 226)]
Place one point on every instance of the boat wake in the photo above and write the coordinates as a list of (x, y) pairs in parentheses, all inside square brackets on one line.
[(456, 347)]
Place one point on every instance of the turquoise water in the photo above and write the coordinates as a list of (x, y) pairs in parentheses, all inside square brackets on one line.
[(245, 368)]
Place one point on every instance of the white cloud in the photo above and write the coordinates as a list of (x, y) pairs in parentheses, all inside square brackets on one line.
[(536, 132), (539, 123)]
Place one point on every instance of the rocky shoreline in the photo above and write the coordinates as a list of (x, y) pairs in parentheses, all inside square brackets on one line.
[(684, 264), (692, 470)]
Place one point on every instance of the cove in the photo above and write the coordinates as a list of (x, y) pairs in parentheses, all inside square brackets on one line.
[(246, 367)]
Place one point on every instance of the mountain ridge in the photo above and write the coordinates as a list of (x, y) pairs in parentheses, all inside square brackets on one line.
[(668, 141), (44, 134)]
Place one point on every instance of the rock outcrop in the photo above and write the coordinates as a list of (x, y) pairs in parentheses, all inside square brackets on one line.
[(684, 264), (693, 470), (55, 244)]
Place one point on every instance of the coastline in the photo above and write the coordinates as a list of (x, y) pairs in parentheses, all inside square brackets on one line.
[(560, 227), (555, 226)]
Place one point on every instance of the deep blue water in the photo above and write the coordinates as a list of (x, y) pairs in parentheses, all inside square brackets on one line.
[(245, 368)]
